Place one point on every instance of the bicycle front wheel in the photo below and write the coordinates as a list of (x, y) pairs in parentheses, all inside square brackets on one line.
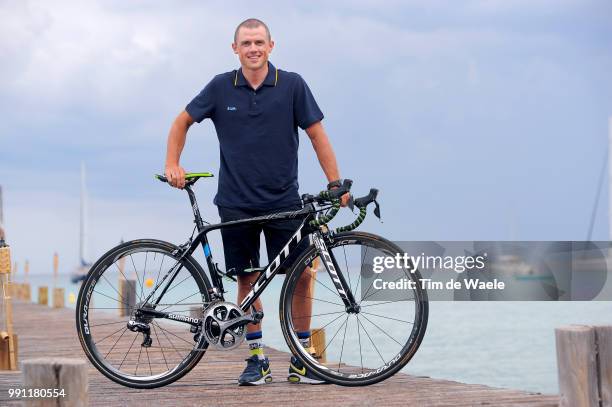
[(114, 291), (352, 347)]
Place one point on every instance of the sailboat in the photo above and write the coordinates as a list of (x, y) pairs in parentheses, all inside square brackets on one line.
[(80, 272)]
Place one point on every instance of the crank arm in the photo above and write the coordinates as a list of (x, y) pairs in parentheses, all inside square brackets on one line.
[(254, 318)]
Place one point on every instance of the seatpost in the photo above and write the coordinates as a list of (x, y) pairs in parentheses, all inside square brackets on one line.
[(194, 206)]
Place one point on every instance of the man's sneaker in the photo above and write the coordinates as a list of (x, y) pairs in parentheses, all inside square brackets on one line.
[(256, 372), (299, 374)]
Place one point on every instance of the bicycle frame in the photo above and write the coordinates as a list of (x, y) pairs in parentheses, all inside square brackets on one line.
[(305, 231)]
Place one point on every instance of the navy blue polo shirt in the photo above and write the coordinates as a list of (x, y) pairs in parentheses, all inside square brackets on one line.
[(258, 135)]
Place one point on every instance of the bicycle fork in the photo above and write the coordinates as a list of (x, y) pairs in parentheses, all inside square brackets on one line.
[(331, 266)]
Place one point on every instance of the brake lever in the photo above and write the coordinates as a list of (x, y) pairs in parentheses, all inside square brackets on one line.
[(377, 210), (351, 203)]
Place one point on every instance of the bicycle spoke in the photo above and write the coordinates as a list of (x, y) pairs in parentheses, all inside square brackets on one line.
[(374, 292), (381, 330), (113, 287), (386, 302), (128, 351), (137, 278), (347, 268), (138, 362), (114, 299), (115, 344), (108, 336), (107, 323), (162, 349), (144, 272), (126, 279), (171, 333), (382, 316), (318, 315), (371, 341), (317, 299), (176, 303), (168, 339), (360, 268), (359, 336), (160, 269), (330, 322), (150, 369), (176, 285), (343, 339), (329, 289), (333, 337)]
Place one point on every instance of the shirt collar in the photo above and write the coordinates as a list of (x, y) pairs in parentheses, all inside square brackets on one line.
[(271, 77)]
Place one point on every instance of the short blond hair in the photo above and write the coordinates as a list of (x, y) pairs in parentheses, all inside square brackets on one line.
[(251, 23)]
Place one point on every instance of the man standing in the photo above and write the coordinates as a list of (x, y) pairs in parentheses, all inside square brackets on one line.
[(256, 111)]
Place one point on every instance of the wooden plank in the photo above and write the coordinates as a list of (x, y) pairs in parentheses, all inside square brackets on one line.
[(213, 380), (604, 358), (576, 363), (63, 374)]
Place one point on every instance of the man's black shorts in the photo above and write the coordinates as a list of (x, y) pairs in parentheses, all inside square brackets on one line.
[(241, 243)]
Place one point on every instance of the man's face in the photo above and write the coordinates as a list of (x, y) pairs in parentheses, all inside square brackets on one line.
[(253, 47)]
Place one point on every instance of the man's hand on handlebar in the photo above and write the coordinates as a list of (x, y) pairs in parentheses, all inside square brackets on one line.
[(344, 200), (175, 175)]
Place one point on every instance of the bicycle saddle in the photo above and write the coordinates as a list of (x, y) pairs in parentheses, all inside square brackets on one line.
[(190, 177)]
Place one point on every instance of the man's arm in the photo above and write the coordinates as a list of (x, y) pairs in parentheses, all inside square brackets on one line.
[(176, 141), (325, 154)]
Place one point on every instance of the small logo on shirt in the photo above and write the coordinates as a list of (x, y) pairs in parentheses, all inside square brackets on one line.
[(232, 108)]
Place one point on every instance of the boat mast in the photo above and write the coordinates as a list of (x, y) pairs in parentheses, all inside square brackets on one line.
[(83, 218)]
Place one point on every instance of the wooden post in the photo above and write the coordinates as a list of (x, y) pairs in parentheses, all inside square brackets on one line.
[(5, 350), (5, 281), (603, 336), (28, 291), (577, 366), (317, 341), (317, 335), (58, 298), (55, 268), (69, 375), (43, 296), (127, 289)]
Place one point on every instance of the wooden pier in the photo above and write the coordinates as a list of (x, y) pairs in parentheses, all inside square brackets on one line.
[(48, 332)]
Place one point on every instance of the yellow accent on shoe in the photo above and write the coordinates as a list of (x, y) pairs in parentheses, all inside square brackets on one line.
[(301, 371), (293, 379), (265, 372), (257, 351)]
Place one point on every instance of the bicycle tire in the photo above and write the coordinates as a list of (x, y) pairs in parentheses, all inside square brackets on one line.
[(352, 376), (84, 314)]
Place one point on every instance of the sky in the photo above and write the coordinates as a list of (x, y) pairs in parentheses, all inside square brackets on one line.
[(477, 120)]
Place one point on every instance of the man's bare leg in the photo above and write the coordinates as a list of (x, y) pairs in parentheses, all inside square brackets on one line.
[(244, 287), (301, 304)]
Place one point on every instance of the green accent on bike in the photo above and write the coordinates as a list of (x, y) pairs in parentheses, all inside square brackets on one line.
[(190, 175), (333, 211), (362, 214)]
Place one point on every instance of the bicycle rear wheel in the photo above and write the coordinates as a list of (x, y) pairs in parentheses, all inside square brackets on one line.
[(115, 288), (360, 348)]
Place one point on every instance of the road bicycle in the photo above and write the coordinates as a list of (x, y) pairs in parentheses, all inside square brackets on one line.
[(147, 311)]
